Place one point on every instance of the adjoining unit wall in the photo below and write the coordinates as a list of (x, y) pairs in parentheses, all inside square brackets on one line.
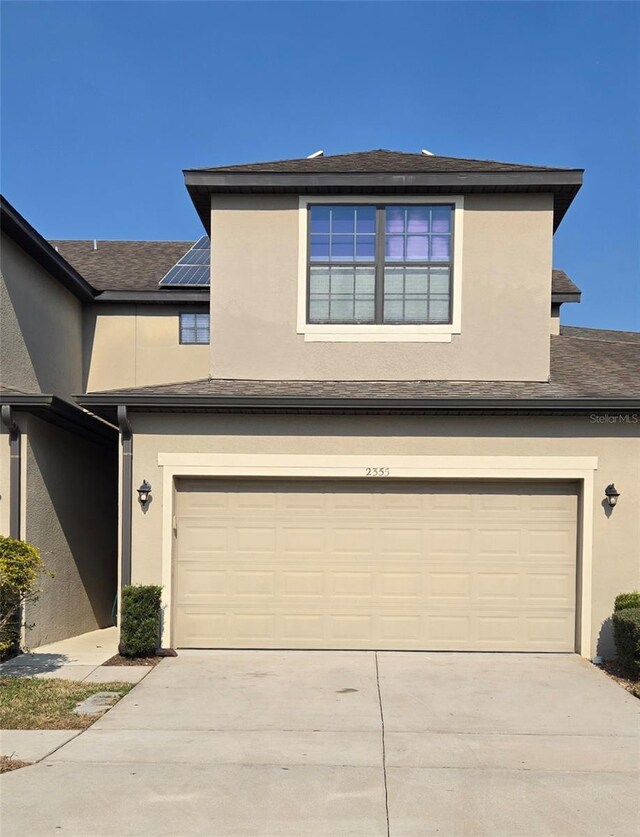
[(506, 298), (71, 516), (616, 535), (137, 345), (40, 327)]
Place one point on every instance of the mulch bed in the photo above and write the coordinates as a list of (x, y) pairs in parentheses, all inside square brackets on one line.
[(119, 660), (619, 673)]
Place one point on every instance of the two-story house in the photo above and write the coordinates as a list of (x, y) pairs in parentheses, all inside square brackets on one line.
[(376, 434)]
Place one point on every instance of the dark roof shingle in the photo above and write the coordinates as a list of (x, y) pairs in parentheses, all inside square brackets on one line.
[(122, 265), (378, 161), (598, 366), (561, 284)]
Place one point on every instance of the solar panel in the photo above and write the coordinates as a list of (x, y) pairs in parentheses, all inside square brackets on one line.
[(192, 269)]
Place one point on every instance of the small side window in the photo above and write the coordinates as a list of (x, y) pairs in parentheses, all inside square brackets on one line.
[(194, 328)]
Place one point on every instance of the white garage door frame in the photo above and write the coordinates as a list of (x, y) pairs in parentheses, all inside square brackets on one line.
[(579, 469)]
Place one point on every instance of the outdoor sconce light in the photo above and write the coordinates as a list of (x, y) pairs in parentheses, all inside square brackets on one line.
[(144, 492), (612, 494)]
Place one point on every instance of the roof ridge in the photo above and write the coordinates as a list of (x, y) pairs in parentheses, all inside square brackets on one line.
[(126, 240), (416, 154), (594, 339)]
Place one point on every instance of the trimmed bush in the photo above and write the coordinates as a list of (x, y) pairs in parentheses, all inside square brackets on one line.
[(626, 632), (627, 600), (20, 569), (140, 620)]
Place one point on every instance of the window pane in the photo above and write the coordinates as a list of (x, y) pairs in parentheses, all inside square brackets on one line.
[(366, 219), (365, 248), (440, 248), (393, 309), (418, 219), (416, 281), (342, 248), (439, 280), (439, 310), (441, 219), (365, 281), (415, 310), (395, 219), (417, 248), (342, 219), (365, 310), (342, 309), (188, 320), (409, 295), (320, 219), (395, 248), (342, 233), (188, 335), (394, 280), (319, 309), (341, 294), (320, 248), (342, 281), (319, 280)]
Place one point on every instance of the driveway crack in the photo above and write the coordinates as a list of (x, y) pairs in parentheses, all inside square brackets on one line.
[(384, 754)]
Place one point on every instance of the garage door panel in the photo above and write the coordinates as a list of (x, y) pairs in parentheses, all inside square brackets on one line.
[(440, 566)]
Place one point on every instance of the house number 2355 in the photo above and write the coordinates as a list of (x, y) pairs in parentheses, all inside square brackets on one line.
[(376, 472)]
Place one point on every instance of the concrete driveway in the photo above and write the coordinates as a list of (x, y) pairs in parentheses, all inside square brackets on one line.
[(354, 743)]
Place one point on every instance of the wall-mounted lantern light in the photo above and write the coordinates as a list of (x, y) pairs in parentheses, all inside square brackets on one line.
[(144, 492), (612, 494)]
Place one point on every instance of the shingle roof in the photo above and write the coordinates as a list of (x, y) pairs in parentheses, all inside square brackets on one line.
[(601, 334), (593, 364), (378, 161), (561, 284), (122, 265)]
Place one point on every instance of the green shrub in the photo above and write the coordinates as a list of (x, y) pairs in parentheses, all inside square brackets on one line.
[(20, 568), (626, 600), (140, 620), (626, 632)]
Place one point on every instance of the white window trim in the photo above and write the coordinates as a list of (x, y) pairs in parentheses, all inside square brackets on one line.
[(377, 333)]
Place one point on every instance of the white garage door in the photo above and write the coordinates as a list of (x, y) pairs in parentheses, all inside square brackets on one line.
[(393, 565)]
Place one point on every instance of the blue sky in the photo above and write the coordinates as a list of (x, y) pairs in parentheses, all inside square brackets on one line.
[(103, 105)]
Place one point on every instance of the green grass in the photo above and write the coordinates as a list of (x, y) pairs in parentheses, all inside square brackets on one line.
[(40, 703)]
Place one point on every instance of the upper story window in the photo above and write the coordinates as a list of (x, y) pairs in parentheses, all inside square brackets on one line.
[(388, 264), (194, 328)]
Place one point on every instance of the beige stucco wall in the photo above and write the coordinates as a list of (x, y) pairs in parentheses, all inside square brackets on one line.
[(136, 345), (506, 298), (40, 327), (70, 514), (616, 545)]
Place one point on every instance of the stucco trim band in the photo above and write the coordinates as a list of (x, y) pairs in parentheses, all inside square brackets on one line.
[(579, 468)]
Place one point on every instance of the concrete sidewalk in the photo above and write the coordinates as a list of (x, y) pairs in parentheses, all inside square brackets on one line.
[(76, 658), (287, 744)]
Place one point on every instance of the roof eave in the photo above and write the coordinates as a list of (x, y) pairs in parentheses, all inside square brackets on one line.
[(105, 404), (563, 184), (160, 297), (30, 240), (560, 298), (61, 413)]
